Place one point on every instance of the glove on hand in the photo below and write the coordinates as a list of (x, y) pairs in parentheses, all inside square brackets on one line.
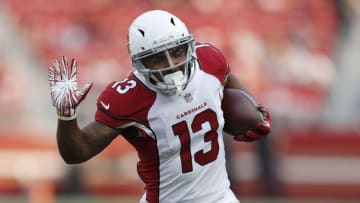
[(65, 94), (262, 130)]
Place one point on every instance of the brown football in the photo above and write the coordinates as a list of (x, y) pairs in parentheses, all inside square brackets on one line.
[(240, 112)]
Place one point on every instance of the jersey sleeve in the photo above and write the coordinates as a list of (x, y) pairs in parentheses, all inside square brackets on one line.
[(212, 61), (103, 113), (124, 103)]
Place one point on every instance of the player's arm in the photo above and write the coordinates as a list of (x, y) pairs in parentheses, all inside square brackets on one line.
[(77, 145), (232, 81), (264, 127)]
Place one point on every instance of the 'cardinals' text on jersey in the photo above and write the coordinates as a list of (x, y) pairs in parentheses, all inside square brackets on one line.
[(178, 138)]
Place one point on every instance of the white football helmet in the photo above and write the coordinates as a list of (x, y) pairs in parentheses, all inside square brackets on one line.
[(158, 33)]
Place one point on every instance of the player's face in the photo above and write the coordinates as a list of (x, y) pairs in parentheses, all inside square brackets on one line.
[(166, 59)]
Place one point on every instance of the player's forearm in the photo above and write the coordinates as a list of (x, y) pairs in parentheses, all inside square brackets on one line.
[(78, 145), (72, 142)]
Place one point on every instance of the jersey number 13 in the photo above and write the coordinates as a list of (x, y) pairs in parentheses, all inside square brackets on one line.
[(182, 130)]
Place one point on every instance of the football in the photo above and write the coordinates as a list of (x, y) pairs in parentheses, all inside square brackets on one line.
[(240, 112)]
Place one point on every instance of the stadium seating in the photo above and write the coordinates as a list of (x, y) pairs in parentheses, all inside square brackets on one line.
[(257, 37)]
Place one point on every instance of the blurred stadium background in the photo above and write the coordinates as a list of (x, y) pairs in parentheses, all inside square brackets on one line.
[(298, 57)]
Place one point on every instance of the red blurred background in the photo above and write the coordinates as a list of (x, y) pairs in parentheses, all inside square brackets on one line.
[(294, 56)]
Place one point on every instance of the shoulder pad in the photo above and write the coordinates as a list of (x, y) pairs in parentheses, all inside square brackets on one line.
[(126, 99), (212, 61)]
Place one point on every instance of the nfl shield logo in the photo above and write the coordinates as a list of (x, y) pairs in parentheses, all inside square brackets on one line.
[(188, 98)]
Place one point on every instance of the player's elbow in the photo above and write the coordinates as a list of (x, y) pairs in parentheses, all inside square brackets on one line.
[(72, 161), (72, 158)]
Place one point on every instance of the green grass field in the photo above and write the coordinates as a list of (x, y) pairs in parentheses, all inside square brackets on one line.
[(73, 199), (96, 199)]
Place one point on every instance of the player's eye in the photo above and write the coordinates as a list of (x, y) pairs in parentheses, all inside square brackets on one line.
[(179, 51), (154, 59)]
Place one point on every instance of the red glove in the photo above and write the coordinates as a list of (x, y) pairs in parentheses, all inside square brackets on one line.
[(262, 130), (65, 94)]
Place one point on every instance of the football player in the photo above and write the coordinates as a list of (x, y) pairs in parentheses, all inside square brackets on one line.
[(168, 108)]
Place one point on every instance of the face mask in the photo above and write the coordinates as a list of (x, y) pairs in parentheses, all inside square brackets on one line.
[(176, 80)]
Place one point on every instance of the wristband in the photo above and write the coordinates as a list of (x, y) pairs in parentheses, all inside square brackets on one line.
[(67, 118), (72, 115)]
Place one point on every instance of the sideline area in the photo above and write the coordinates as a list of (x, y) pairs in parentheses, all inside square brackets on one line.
[(93, 199)]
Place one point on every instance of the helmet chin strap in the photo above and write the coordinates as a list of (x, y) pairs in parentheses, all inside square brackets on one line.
[(175, 79)]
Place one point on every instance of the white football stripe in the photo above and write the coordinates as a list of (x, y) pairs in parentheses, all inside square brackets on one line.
[(302, 169), (320, 169)]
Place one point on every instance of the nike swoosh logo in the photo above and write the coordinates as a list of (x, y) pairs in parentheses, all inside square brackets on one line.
[(106, 106)]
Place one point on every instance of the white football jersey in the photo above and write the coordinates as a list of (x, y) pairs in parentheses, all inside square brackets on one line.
[(178, 138)]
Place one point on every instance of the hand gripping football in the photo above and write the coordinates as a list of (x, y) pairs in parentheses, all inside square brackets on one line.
[(240, 112)]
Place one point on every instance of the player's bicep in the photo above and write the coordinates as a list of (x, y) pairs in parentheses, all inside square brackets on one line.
[(97, 129), (99, 136)]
